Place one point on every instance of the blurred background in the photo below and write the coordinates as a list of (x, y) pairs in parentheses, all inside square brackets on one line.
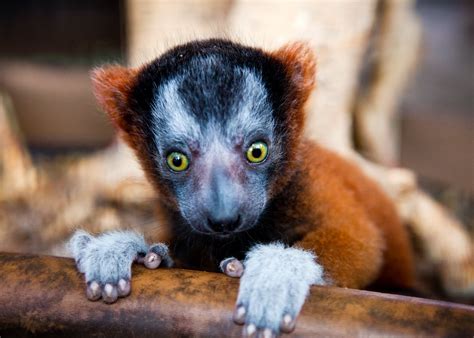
[(47, 49), (395, 83)]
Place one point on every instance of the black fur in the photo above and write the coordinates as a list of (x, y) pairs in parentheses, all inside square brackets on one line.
[(205, 252), (230, 55), (189, 248)]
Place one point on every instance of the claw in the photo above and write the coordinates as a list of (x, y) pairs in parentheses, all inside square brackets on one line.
[(93, 291), (239, 315), (287, 324), (123, 288), (109, 293), (152, 260), (249, 331), (232, 267), (268, 333)]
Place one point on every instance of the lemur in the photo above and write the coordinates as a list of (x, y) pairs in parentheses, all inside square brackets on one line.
[(218, 129)]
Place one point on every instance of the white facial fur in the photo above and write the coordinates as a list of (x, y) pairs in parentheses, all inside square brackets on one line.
[(168, 110), (250, 109)]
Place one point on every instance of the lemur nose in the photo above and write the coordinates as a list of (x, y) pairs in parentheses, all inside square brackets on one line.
[(224, 224)]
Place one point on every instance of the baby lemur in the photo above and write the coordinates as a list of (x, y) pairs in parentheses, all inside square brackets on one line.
[(218, 129)]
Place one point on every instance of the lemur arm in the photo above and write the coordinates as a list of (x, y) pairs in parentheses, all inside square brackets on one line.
[(273, 288), (347, 244), (358, 237), (276, 279), (106, 261), (341, 247)]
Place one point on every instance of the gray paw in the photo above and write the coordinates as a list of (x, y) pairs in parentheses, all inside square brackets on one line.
[(273, 288), (106, 261)]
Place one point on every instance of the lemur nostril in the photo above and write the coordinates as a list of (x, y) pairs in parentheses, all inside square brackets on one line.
[(223, 224)]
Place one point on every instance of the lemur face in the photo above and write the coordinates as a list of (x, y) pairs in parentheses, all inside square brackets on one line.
[(216, 126), (216, 144)]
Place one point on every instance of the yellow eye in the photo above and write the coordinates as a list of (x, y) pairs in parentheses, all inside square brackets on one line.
[(177, 161), (257, 152)]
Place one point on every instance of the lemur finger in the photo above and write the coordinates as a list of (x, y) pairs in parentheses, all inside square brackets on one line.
[(93, 291), (109, 293), (266, 333), (157, 255), (287, 324), (162, 250), (249, 331), (239, 315), (232, 267), (152, 260), (123, 288)]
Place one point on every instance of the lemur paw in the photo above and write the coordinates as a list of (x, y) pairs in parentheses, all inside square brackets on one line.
[(106, 261), (157, 255), (232, 267), (273, 289)]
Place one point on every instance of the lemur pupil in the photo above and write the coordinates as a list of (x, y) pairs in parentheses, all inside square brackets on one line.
[(256, 153), (177, 161)]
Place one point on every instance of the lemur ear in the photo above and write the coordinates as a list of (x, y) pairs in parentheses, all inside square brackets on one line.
[(300, 62), (111, 86)]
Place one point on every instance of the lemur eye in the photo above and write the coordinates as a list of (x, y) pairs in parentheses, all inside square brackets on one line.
[(177, 161), (257, 152)]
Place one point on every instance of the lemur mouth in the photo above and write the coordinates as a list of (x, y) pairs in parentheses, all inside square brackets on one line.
[(224, 234), (229, 234), (220, 235)]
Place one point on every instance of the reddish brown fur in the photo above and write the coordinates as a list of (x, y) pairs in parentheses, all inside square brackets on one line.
[(300, 64), (330, 206), (111, 86), (359, 237)]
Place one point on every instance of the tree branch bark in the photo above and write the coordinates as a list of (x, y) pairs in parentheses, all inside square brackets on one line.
[(44, 294)]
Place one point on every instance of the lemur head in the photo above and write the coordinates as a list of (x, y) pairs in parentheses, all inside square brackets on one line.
[(216, 126)]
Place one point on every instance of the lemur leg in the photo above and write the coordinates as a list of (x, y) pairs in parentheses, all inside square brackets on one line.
[(274, 287), (106, 261), (232, 267)]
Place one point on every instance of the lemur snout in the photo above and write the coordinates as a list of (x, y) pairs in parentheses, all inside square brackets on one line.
[(224, 223), (223, 203)]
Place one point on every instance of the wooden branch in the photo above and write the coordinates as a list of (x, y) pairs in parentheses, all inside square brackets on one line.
[(44, 294)]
